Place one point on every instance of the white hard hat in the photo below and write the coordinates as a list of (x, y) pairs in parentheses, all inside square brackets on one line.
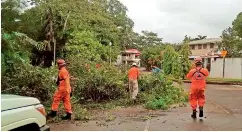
[(134, 64)]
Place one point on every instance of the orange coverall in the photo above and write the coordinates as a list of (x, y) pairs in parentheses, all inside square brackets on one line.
[(63, 92), (197, 88)]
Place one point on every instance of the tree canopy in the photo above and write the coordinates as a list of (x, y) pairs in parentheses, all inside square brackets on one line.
[(232, 38), (56, 22)]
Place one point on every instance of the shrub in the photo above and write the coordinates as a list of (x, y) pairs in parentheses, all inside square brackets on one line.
[(103, 84), (27, 80), (159, 92)]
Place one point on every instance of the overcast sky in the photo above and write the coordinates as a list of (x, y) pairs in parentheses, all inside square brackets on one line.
[(173, 19)]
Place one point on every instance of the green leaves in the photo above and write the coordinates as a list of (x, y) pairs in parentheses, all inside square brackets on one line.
[(185, 52), (152, 56), (103, 18), (10, 13), (158, 92), (172, 62), (103, 84), (14, 50), (231, 42), (232, 38), (237, 25), (86, 45)]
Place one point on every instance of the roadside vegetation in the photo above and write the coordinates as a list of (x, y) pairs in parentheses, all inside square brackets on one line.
[(81, 32)]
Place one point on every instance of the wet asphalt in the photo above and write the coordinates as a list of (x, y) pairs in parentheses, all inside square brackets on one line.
[(222, 111)]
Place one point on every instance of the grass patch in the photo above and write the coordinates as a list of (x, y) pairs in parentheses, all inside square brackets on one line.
[(224, 80), (220, 81)]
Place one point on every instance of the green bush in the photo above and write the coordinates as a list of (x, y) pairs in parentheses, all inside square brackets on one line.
[(27, 80), (158, 92), (103, 84)]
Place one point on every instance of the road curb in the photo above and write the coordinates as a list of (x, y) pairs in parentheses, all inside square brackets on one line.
[(218, 83)]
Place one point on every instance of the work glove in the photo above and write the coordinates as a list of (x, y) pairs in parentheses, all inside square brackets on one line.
[(58, 81), (72, 89)]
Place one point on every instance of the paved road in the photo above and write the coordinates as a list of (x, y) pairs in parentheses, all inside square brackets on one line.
[(223, 111)]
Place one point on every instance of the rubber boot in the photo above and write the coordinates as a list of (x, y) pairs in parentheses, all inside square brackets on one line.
[(51, 114), (194, 114), (67, 117), (200, 111)]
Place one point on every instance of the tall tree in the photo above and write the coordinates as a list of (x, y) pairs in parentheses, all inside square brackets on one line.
[(150, 38), (201, 37), (187, 38), (106, 19), (10, 15), (185, 52), (237, 25), (152, 56), (172, 62), (231, 42)]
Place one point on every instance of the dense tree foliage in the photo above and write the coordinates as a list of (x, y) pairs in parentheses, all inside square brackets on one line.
[(231, 43), (172, 62), (79, 31), (152, 56), (185, 52), (232, 38), (237, 25), (55, 21)]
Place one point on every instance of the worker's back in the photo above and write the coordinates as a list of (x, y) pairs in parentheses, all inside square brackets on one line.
[(198, 77), (64, 80), (133, 73)]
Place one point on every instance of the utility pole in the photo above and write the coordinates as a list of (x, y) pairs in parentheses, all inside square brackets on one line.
[(223, 66), (224, 53)]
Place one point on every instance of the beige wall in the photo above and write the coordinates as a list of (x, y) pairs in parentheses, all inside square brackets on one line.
[(202, 51), (233, 68)]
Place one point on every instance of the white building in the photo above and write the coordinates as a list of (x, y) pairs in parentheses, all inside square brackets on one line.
[(128, 57)]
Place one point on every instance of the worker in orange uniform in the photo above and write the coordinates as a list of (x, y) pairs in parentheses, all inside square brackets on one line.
[(133, 75), (63, 92), (198, 83)]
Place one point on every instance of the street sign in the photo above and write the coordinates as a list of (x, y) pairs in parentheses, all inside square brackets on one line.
[(224, 53)]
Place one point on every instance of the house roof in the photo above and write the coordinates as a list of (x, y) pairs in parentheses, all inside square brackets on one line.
[(132, 51), (204, 41)]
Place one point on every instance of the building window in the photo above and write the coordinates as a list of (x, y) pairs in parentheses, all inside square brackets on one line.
[(199, 46), (205, 46), (192, 47), (211, 45)]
